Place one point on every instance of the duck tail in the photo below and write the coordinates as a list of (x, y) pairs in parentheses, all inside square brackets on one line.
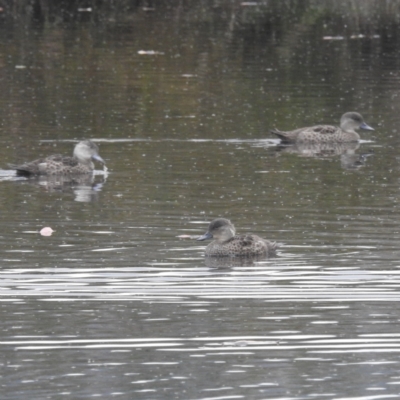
[(20, 170), (273, 247), (281, 135)]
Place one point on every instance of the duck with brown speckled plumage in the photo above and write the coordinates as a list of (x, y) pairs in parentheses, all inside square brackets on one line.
[(346, 133), (81, 162), (227, 243)]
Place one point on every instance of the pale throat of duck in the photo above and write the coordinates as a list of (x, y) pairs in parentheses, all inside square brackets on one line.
[(349, 126), (83, 158), (86, 161)]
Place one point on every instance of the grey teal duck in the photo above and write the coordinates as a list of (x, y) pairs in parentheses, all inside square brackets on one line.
[(349, 122), (81, 162), (227, 243)]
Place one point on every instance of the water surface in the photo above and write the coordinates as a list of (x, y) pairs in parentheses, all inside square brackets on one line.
[(180, 100)]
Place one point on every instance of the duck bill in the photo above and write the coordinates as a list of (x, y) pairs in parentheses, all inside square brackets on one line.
[(96, 157), (206, 236), (366, 127)]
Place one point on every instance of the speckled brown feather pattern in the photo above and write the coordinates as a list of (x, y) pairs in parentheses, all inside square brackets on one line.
[(327, 133), (227, 243), (79, 163), (318, 134), (242, 246), (55, 164)]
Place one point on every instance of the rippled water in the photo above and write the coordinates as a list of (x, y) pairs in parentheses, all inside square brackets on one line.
[(114, 304)]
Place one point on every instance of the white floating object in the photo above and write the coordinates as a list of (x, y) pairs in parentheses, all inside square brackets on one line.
[(46, 231), (333, 38), (360, 36), (149, 52)]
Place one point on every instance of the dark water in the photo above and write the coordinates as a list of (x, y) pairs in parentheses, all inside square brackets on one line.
[(180, 100)]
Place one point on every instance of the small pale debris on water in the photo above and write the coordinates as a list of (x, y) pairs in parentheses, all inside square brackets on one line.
[(88, 9), (333, 38), (361, 36), (149, 52), (46, 231)]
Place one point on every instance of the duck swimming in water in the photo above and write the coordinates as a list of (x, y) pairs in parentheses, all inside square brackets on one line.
[(81, 162), (227, 243), (349, 122)]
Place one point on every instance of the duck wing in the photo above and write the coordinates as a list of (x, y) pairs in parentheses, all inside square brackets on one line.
[(257, 243), (292, 136), (323, 129), (43, 166), (28, 168), (286, 137)]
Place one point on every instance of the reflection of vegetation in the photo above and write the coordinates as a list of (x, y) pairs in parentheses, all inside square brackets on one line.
[(287, 12), (222, 70), (217, 71)]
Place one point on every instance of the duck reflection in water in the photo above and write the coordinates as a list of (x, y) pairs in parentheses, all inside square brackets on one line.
[(349, 158), (227, 244), (232, 262), (85, 187)]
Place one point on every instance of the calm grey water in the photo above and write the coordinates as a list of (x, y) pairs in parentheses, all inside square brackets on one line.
[(180, 100)]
